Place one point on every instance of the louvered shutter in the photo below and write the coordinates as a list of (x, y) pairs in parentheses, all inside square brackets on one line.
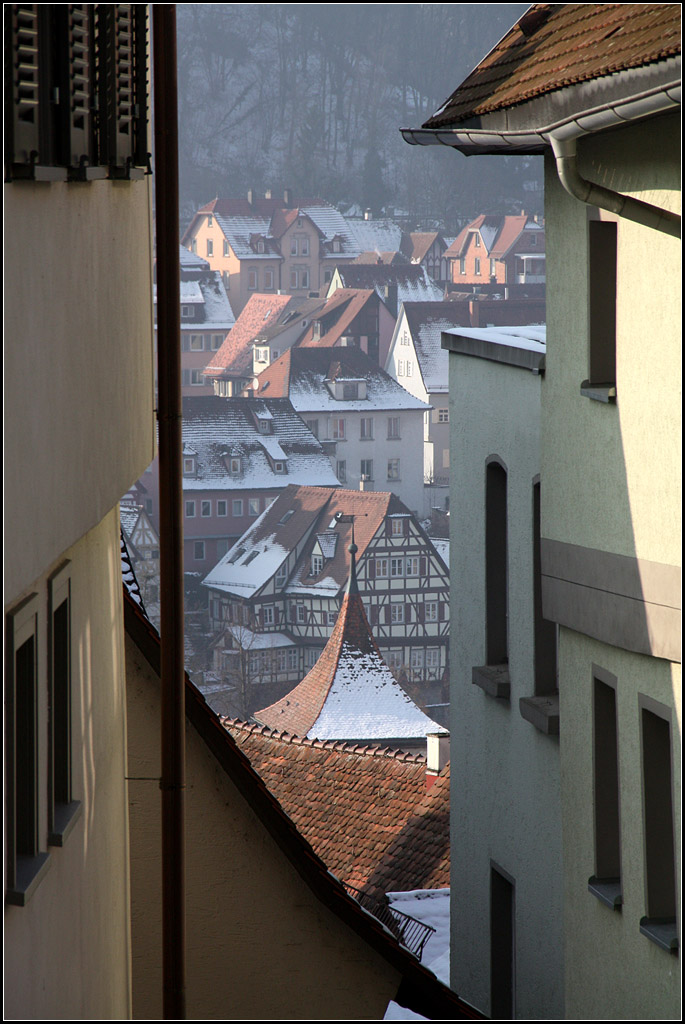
[(420, 613), (373, 614), (423, 567), (121, 37), (371, 568), (276, 616), (22, 89), (79, 88)]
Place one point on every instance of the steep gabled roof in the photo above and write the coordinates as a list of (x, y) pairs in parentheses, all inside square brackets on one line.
[(300, 374), (373, 235), (337, 315), (390, 259), (350, 693), (421, 241), (364, 810), (554, 46), (234, 358), (426, 321), (220, 428)]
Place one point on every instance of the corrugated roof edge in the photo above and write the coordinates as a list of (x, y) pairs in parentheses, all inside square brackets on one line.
[(419, 989)]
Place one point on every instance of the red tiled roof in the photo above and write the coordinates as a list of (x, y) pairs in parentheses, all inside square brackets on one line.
[(365, 811), (558, 45), (235, 355), (508, 230), (421, 243), (383, 258), (351, 301)]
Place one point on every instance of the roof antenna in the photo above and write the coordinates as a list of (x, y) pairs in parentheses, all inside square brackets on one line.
[(352, 587)]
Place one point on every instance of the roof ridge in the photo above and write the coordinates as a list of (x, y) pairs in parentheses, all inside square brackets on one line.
[(360, 749)]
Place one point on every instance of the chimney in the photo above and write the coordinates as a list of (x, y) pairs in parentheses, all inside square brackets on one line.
[(437, 755), (368, 215), (474, 312), (251, 196), (288, 197), (267, 194), (390, 297)]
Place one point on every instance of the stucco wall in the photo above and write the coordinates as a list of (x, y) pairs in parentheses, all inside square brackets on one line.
[(505, 799), (260, 945), (67, 953), (78, 362)]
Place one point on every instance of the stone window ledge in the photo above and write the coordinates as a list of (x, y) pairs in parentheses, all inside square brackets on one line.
[(493, 680), (29, 874), (662, 933), (599, 392), (542, 712), (607, 891), (65, 817)]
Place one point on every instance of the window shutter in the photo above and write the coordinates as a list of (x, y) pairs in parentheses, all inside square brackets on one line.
[(423, 566), (388, 527), (276, 616), (405, 527), (22, 89), (293, 613), (122, 85), (373, 614), (386, 614), (407, 613), (441, 611), (78, 85), (371, 568), (420, 613)]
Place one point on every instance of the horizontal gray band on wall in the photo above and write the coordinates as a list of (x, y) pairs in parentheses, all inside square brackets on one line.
[(511, 355), (627, 602)]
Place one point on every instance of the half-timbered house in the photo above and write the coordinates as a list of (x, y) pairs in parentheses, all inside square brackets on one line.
[(285, 579)]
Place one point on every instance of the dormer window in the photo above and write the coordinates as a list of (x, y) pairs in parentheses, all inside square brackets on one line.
[(336, 245), (279, 467), (284, 519), (476, 241), (210, 220), (317, 565), (189, 465), (235, 466), (265, 426), (260, 245), (187, 311), (316, 329), (350, 391), (281, 575)]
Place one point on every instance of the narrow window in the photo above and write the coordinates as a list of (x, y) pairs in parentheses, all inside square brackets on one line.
[(545, 632), (606, 883), (199, 551), (210, 247), (501, 946), (61, 807), (602, 304), (660, 881), (497, 648)]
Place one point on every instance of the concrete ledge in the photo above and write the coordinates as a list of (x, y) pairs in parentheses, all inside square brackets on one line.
[(542, 712), (493, 680)]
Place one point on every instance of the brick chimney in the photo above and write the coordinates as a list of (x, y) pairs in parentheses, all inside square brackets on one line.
[(474, 312), (288, 197), (437, 755), (267, 194)]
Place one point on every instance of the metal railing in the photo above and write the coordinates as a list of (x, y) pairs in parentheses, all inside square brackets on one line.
[(408, 930)]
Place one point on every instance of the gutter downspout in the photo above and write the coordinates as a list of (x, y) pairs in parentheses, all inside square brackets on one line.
[(606, 199), (169, 417)]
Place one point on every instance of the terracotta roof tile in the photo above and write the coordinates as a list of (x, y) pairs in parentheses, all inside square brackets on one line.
[(558, 45), (235, 355), (364, 810), (350, 302)]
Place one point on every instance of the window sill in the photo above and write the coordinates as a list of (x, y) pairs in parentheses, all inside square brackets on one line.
[(65, 817), (607, 891), (29, 874), (662, 933), (542, 712), (599, 392), (493, 680)]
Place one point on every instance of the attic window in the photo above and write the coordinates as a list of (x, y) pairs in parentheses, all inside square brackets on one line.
[(187, 311), (209, 220), (336, 245), (251, 557), (284, 519), (281, 575), (350, 391), (265, 426), (238, 554), (279, 467), (317, 565), (235, 466), (189, 466), (260, 246)]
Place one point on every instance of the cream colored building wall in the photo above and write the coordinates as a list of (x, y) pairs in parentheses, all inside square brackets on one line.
[(506, 802), (260, 945), (79, 423), (67, 952), (612, 484)]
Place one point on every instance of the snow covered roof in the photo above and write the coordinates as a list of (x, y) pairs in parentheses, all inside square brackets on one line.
[(220, 428), (203, 288), (337, 317), (234, 358), (350, 694), (426, 322), (301, 373), (370, 235), (412, 281), (518, 346)]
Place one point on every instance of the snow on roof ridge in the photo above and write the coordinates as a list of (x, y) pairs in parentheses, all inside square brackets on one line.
[(344, 746)]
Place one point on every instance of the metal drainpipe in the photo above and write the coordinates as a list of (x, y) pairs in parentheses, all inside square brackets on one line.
[(169, 416), (592, 194)]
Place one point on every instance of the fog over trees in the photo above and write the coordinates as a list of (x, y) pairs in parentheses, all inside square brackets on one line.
[(311, 97)]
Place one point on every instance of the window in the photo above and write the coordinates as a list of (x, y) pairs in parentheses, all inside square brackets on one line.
[(268, 280), (433, 659), (226, 248), (253, 506), (400, 367), (412, 565), (476, 241), (502, 959), (197, 343), (304, 279), (462, 265), (260, 246), (366, 428), (301, 614), (317, 565), (188, 466), (443, 415), (410, 368), (417, 658), (659, 923), (196, 377), (545, 632), (393, 469), (210, 220), (602, 305), (210, 247), (293, 660), (190, 509), (72, 52), (148, 506), (199, 551), (252, 279), (222, 507), (304, 246), (493, 268), (381, 568), (61, 808), (404, 338), (237, 507), (235, 467), (338, 430), (341, 471), (496, 575), (311, 656), (293, 279), (394, 659), (366, 469), (205, 508), (606, 881), (279, 467), (397, 567), (431, 611), (350, 392), (268, 614), (293, 246), (476, 266), (397, 614), (393, 428), (397, 527), (221, 547), (281, 576), (217, 342), (331, 618), (187, 312), (313, 425)]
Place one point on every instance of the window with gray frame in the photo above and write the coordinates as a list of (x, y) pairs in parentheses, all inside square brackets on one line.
[(606, 882)]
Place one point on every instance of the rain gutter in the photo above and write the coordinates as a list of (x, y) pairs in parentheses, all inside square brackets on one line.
[(169, 417), (562, 136)]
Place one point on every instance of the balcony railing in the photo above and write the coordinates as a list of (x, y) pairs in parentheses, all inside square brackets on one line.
[(409, 931)]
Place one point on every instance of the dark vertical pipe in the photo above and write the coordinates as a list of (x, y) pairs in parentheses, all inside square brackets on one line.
[(169, 412)]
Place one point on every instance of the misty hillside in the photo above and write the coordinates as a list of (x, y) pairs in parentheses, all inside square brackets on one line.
[(311, 97)]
